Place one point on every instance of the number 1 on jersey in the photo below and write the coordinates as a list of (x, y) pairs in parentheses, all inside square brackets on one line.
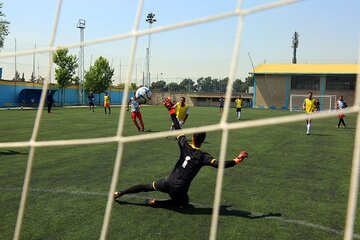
[(187, 158)]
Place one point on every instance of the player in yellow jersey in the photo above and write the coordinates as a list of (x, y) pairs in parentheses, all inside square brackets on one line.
[(238, 105), (309, 107), (182, 112), (107, 102)]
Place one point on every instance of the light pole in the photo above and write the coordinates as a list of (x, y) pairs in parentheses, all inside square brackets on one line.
[(295, 46), (81, 25), (150, 18)]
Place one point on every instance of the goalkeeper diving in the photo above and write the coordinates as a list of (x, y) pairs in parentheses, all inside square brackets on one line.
[(190, 161)]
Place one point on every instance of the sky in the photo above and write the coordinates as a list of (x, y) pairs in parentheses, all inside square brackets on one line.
[(329, 33)]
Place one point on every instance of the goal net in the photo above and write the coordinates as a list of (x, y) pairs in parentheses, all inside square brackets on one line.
[(225, 126), (327, 102)]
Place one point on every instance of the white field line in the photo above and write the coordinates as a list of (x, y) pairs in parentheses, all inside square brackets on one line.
[(138, 196)]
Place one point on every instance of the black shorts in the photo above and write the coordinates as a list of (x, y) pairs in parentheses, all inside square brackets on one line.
[(238, 109), (177, 194), (91, 103), (221, 106)]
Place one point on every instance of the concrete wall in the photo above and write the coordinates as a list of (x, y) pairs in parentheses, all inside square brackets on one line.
[(271, 90), (198, 99)]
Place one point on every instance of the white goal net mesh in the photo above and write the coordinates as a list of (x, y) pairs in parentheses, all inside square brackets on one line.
[(223, 125), (327, 102)]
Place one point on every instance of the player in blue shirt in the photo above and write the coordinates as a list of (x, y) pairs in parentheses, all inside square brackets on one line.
[(91, 100)]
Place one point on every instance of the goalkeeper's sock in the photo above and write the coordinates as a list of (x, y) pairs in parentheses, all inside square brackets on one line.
[(138, 188)]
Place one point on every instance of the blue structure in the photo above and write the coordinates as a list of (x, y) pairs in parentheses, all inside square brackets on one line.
[(15, 94), (30, 97)]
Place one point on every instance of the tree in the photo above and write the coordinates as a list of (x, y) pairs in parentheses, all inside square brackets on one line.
[(121, 85), (237, 86), (32, 78), (249, 81), (207, 84), (40, 79), (16, 78), (133, 86), (4, 27), (223, 84), (187, 85), (98, 78), (173, 87), (65, 72), (158, 86), (22, 79)]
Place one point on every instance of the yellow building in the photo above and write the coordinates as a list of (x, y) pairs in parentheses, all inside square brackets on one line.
[(274, 83)]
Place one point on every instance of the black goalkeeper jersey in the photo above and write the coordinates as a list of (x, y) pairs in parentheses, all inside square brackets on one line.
[(190, 162)]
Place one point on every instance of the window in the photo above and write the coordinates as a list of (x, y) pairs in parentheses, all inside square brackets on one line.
[(305, 82), (341, 82)]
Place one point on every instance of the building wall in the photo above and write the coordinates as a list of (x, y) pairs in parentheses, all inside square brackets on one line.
[(158, 97), (271, 91), (349, 95), (275, 90)]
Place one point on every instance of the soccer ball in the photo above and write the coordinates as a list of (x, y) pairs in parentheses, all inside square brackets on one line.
[(143, 95)]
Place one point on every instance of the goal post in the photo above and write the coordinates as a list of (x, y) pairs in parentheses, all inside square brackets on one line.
[(327, 102)]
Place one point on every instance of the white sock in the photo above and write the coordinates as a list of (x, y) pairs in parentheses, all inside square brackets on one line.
[(308, 126)]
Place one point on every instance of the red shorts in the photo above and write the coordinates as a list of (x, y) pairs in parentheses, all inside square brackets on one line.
[(341, 115), (107, 105), (135, 115)]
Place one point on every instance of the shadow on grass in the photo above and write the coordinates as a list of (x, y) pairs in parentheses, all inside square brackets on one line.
[(321, 135), (149, 130), (11, 152), (225, 210)]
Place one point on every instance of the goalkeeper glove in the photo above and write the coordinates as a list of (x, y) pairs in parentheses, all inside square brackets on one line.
[(169, 105), (240, 157)]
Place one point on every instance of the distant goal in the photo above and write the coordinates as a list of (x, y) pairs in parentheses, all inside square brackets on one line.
[(327, 102)]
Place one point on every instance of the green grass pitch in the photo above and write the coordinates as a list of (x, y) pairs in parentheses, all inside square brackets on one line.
[(303, 180)]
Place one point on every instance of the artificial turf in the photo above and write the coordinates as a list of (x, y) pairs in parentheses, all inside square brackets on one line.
[(292, 186)]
